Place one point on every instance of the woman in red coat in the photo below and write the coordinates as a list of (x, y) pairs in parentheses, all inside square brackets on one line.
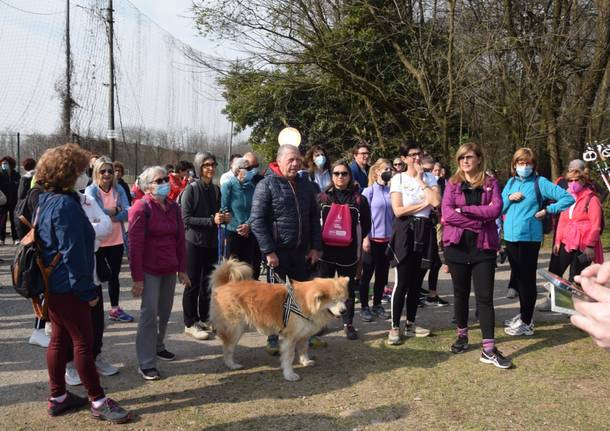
[(577, 242)]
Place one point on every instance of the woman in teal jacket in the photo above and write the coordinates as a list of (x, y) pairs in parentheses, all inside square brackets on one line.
[(236, 197), (523, 204)]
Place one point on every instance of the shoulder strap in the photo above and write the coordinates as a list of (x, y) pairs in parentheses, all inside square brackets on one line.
[(538, 193)]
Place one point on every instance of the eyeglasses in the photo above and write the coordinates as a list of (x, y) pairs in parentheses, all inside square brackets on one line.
[(574, 180), (106, 171), (249, 168), (365, 153), (413, 155), (470, 157), (340, 173), (161, 180), (398, 164), (209, 165)]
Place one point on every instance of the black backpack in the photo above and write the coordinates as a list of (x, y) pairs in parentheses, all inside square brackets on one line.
[(23, 210), (30, 276)]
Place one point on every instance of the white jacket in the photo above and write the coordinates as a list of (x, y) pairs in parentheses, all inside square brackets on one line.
[(102, 225)]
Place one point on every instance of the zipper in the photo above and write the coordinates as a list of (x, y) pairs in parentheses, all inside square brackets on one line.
[(296, 201)]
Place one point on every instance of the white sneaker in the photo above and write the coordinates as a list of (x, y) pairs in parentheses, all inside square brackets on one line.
[(104, 367), (39, 338), (411, 330), (196, 332), (47, 328), (520, 328), (510, 322), (72, 377)]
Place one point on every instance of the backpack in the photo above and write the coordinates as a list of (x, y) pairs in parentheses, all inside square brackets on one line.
[(603, 224), (30, 276), (22, 209), (337, 229)]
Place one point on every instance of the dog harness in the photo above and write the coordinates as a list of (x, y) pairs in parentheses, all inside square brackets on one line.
[(291, 305)]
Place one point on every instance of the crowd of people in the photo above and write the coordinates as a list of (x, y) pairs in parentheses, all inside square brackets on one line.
[(304, 216)]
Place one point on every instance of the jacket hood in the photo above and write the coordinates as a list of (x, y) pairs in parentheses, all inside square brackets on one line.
[(274, 168)]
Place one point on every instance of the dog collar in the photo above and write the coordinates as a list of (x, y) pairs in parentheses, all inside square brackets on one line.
[(291, 305)]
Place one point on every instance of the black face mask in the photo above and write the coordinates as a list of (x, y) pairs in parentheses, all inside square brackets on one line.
[(386, 176)]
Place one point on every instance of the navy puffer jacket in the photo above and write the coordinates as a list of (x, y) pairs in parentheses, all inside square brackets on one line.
[(285, 215)]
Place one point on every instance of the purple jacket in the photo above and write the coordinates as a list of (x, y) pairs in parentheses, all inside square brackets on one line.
[(480, 219)]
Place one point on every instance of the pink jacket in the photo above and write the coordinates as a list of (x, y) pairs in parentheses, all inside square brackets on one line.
[(480, 219), (583, 229), (156, 238)]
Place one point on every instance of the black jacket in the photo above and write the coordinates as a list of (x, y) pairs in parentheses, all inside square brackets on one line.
[(361, 225), (9, 184), (199, 204), (285, 214)]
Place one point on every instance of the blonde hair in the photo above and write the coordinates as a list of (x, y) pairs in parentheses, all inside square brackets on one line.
[(459, 176), (576, 174), (526, 155), (97, 167), (374, 171)]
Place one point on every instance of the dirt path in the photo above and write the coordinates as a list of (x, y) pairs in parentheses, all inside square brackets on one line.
[(356, 385)]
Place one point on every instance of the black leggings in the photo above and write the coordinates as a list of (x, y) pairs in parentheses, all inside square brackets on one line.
[(379, 265), (245, 249), (200, 263), (8, 214), (408, 282), (569, 259), (327, 269), (97, 320), (481, 274), (114, 256), (523, 258)]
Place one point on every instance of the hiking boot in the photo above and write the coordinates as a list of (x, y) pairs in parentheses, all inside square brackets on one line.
[(149, 373), (104, 367), (380, 312), (350, 331), (436, 302), (511, 293), (394, 337), (166, 355), (72, 377), (365, 314), (316, 342), (196, 332), (39, 338), (520, 328), (72, 402), (411, 330), (460, 345), (496, 358), (512, 320), (110, 411), (118, 315), (273, 345)]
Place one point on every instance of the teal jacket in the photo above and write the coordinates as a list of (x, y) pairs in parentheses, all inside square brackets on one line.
[(520, 223), (237, 198)]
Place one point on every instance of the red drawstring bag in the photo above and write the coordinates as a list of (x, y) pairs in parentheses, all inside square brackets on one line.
[(337, 229)]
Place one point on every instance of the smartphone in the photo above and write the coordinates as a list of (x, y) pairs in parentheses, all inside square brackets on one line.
[(566, 286)]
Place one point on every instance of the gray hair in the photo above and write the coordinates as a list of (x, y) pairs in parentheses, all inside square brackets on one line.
[(146, 178), (284, 149), (97, 166), (200, 158), (239, 163), (576, 164)]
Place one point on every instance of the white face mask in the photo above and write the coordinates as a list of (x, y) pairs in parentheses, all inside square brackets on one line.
[(82, 181)]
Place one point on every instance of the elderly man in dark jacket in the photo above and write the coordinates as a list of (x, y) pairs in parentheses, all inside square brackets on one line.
[(286, 220)]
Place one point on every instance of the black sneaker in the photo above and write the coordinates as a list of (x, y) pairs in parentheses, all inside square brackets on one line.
[(496, 358), (350, 332), (149, 373), (166, 355), (72, 402), (460, 345), (436, 302)]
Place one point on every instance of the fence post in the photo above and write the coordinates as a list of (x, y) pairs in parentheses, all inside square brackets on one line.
[(18, 152)]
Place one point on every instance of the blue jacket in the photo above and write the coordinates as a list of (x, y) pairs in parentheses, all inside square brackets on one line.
[(357, 175), (92, 191), (237, 198), (63, 227), (520, 223)]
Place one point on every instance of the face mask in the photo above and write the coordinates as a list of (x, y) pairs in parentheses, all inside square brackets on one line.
[(162, 190), (250, 174), (524, 171), (436, 177), (82, 181), (386, 176), (320, 161), (575, 187), (5, 166)]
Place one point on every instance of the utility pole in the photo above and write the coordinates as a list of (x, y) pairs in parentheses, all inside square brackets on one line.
[(67, 99), (230, 147), (111, 132)]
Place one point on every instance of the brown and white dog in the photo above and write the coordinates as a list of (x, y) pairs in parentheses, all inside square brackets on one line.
[(238, 302)]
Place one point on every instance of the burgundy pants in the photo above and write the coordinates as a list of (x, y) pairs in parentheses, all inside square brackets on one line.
[(71, 319)]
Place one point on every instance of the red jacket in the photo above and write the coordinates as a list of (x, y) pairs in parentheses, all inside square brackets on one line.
[(176, 185), (583, 228), (156, 239)]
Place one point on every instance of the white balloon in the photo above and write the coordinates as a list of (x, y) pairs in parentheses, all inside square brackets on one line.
[(289, 136)]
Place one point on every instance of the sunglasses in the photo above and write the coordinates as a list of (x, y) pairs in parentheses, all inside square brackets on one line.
[(398, 164), (466, 158), (249, 168), (574, 180), (106, 171), (161, 180), (340, 173), (210, 165)]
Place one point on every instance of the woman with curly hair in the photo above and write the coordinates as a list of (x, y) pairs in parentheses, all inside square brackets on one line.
[(318, 166), (67, 240)]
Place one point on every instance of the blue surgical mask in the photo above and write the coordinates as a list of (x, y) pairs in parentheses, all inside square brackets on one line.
[(524, 171), (162, 190), (250, 174), (320, 161)]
